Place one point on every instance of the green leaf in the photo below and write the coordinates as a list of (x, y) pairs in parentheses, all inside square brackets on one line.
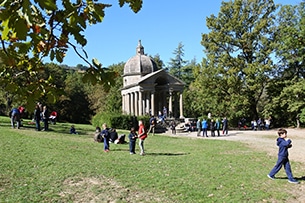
[(21, 29), (80, 39), (59, 56), (52, 55), (47, 4), (6, 30), (89, 76)]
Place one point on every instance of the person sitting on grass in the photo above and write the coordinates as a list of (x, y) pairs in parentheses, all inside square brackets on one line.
[(73, 130), (113, 135), (97, 135)]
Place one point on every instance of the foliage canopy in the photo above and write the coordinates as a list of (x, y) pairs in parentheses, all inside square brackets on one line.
[(33, 30)]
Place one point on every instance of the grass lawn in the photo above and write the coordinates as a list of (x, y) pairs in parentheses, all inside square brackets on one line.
[(55, 166)]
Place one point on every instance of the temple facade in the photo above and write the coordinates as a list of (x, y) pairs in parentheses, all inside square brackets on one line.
[(148, 90)]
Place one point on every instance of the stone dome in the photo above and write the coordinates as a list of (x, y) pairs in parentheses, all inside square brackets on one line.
[(140, 64)]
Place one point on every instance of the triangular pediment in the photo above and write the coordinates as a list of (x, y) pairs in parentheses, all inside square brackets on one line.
[(160, 76)]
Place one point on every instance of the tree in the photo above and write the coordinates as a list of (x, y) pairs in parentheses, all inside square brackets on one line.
[(176, 64), (73, 106), (108, 100), (187, 75), (285, 90), (158, 61), (238, 64), (33, 30)]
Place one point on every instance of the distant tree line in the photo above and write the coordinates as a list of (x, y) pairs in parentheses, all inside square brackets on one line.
[(77, 101)]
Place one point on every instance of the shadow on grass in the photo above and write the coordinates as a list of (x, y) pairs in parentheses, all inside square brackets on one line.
[(122, 150), (297, 178), (300, 178), (166, 154), (60, 129)]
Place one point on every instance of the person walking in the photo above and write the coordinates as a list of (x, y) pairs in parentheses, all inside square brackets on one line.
[(132, 140), (284, 144), (152, 125), (142, 136)]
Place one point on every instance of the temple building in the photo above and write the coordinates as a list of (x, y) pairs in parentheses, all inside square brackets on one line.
[(148, 90)]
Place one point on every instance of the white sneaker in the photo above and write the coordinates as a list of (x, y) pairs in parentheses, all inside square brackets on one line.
[(293, 181), (272, 178)]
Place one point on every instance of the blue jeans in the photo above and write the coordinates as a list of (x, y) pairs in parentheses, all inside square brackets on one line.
[(46, 124), (132, 146), (37, 124), (282, 161), (15, 118), (204, 132), (106, 143)]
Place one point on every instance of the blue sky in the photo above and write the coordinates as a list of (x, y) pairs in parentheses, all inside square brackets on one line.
[(160, 25)]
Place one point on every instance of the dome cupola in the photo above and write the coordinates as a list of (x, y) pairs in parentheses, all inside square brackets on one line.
[(140, 64)]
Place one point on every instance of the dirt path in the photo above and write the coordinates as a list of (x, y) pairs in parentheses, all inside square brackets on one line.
[(265, 141)]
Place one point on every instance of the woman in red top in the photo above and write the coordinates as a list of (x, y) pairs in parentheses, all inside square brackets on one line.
[(142, 135)]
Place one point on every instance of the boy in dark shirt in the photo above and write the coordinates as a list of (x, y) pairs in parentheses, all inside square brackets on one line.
[(284, 143)]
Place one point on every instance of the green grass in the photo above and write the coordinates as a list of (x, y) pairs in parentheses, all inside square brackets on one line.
[(55, 166)]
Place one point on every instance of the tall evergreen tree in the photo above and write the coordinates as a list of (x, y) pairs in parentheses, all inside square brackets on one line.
[(177, 63)]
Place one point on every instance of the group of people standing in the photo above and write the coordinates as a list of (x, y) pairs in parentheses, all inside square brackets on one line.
[(104, 136), (213, 125), (41, 113), (261, 124), (133, 136)]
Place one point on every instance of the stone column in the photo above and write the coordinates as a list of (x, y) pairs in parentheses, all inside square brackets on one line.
[(123, 104), (136, 104), (128, 103), (140, 104), (132, 104), (181, 106), (148, 103), (152, 101), (170, 105)]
